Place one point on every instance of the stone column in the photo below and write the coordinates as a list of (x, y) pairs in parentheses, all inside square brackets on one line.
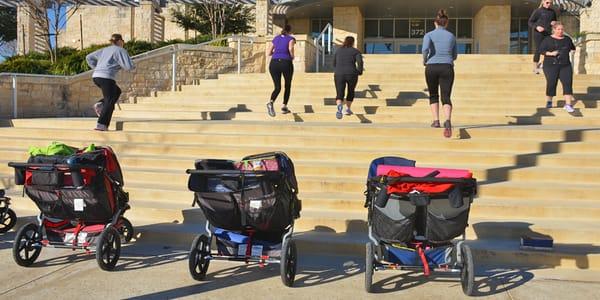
[(590, 52), (143, 22), (491, 29), (264, 19), (348, 21), (25, 31)]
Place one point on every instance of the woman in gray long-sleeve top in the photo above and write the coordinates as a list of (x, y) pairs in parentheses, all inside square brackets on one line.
[(106, 63), (439, 54), (348, 65)]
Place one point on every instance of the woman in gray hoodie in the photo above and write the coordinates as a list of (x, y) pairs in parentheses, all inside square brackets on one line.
[(106, 63)]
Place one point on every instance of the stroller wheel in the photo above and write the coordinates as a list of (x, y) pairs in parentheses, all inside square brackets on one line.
[(369, 267), (198, 259), (8, 220), (289, 259), (467, 274), (126, 230), (108, 248), (27, 246)]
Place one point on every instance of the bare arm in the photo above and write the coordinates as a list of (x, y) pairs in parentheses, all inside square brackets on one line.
[(270, 49), (291, 48)]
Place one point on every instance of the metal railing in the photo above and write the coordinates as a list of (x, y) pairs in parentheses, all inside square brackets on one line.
[(170, 49), (323, 42)]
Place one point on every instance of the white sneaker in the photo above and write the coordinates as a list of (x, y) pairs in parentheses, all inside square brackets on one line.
[(569, 108), (98, 108), (348, 112), (101, 127)]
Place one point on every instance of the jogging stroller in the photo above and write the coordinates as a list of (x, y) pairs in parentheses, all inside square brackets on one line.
[(81, 202), (8, 218), (414, 216), (250, 207)]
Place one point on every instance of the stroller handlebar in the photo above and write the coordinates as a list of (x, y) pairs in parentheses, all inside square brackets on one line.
[(226, 172), (70, 167)]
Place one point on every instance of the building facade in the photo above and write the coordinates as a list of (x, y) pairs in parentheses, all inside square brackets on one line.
[(380, 27)]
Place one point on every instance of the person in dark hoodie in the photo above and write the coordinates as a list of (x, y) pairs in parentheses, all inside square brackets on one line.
[(348, 65), (106, 63), (541, 22)]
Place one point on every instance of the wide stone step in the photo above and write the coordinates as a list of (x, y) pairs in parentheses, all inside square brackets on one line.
[(537, 190)]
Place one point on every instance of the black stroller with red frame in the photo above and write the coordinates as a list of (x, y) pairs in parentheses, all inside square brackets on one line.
[(415, 214), (81, 202), (250, 207), (8, 218)]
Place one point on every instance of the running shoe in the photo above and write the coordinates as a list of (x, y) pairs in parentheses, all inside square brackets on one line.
[(569, 108), (348, 112), (285, 110), (436, 124), (101, 127), (447, 129), (338, 113), (549, 104), (270, 109), (98, 108)]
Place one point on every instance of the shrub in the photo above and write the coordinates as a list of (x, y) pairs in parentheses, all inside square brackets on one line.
[(26, 65)]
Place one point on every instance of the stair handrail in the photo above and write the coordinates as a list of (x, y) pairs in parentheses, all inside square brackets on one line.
[(320, 46), (169, 49)]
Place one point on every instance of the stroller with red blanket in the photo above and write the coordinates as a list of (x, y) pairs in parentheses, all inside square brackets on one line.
[(250, 207), (81, 202), (414, 216)]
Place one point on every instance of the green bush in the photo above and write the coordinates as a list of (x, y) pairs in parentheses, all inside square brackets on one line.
[(72, 61), (26, 65)]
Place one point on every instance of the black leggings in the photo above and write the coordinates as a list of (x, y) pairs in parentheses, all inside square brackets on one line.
[(538, 37), (553, 73), (279, 67), (110, 95), (439, 76), (351, 80)]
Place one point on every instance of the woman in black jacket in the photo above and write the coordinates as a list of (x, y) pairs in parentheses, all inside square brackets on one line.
[(348, 65), (541, 21)]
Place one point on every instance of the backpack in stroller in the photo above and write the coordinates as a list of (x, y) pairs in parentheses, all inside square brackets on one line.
[(81, 202), (250, 207), (414, 216)]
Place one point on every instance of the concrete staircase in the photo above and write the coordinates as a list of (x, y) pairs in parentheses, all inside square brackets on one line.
[(538, 168)]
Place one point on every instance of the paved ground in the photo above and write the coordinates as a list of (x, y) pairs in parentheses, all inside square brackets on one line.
[(160, 272)]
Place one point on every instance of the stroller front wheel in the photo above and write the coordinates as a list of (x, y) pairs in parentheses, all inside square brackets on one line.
[(27, 246), (289, 259), (198, 259), (467, 274), (8, 221), (369, 267), (126, 230), (108, 248)]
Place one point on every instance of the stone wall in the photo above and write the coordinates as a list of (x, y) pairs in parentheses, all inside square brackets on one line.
[(299, 26), (588, 56), (348, 21), (61, 96), (491, 29), (113, 19)]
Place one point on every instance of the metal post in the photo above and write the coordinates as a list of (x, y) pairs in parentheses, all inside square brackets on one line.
[(323, 49), (174, 71), (14, 96), (329, 41), (239, 55), (317, 48)]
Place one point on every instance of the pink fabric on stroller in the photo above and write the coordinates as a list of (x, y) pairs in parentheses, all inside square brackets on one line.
[(421, 172)]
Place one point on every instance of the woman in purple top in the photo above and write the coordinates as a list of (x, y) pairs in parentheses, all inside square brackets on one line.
[(282, 55)]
